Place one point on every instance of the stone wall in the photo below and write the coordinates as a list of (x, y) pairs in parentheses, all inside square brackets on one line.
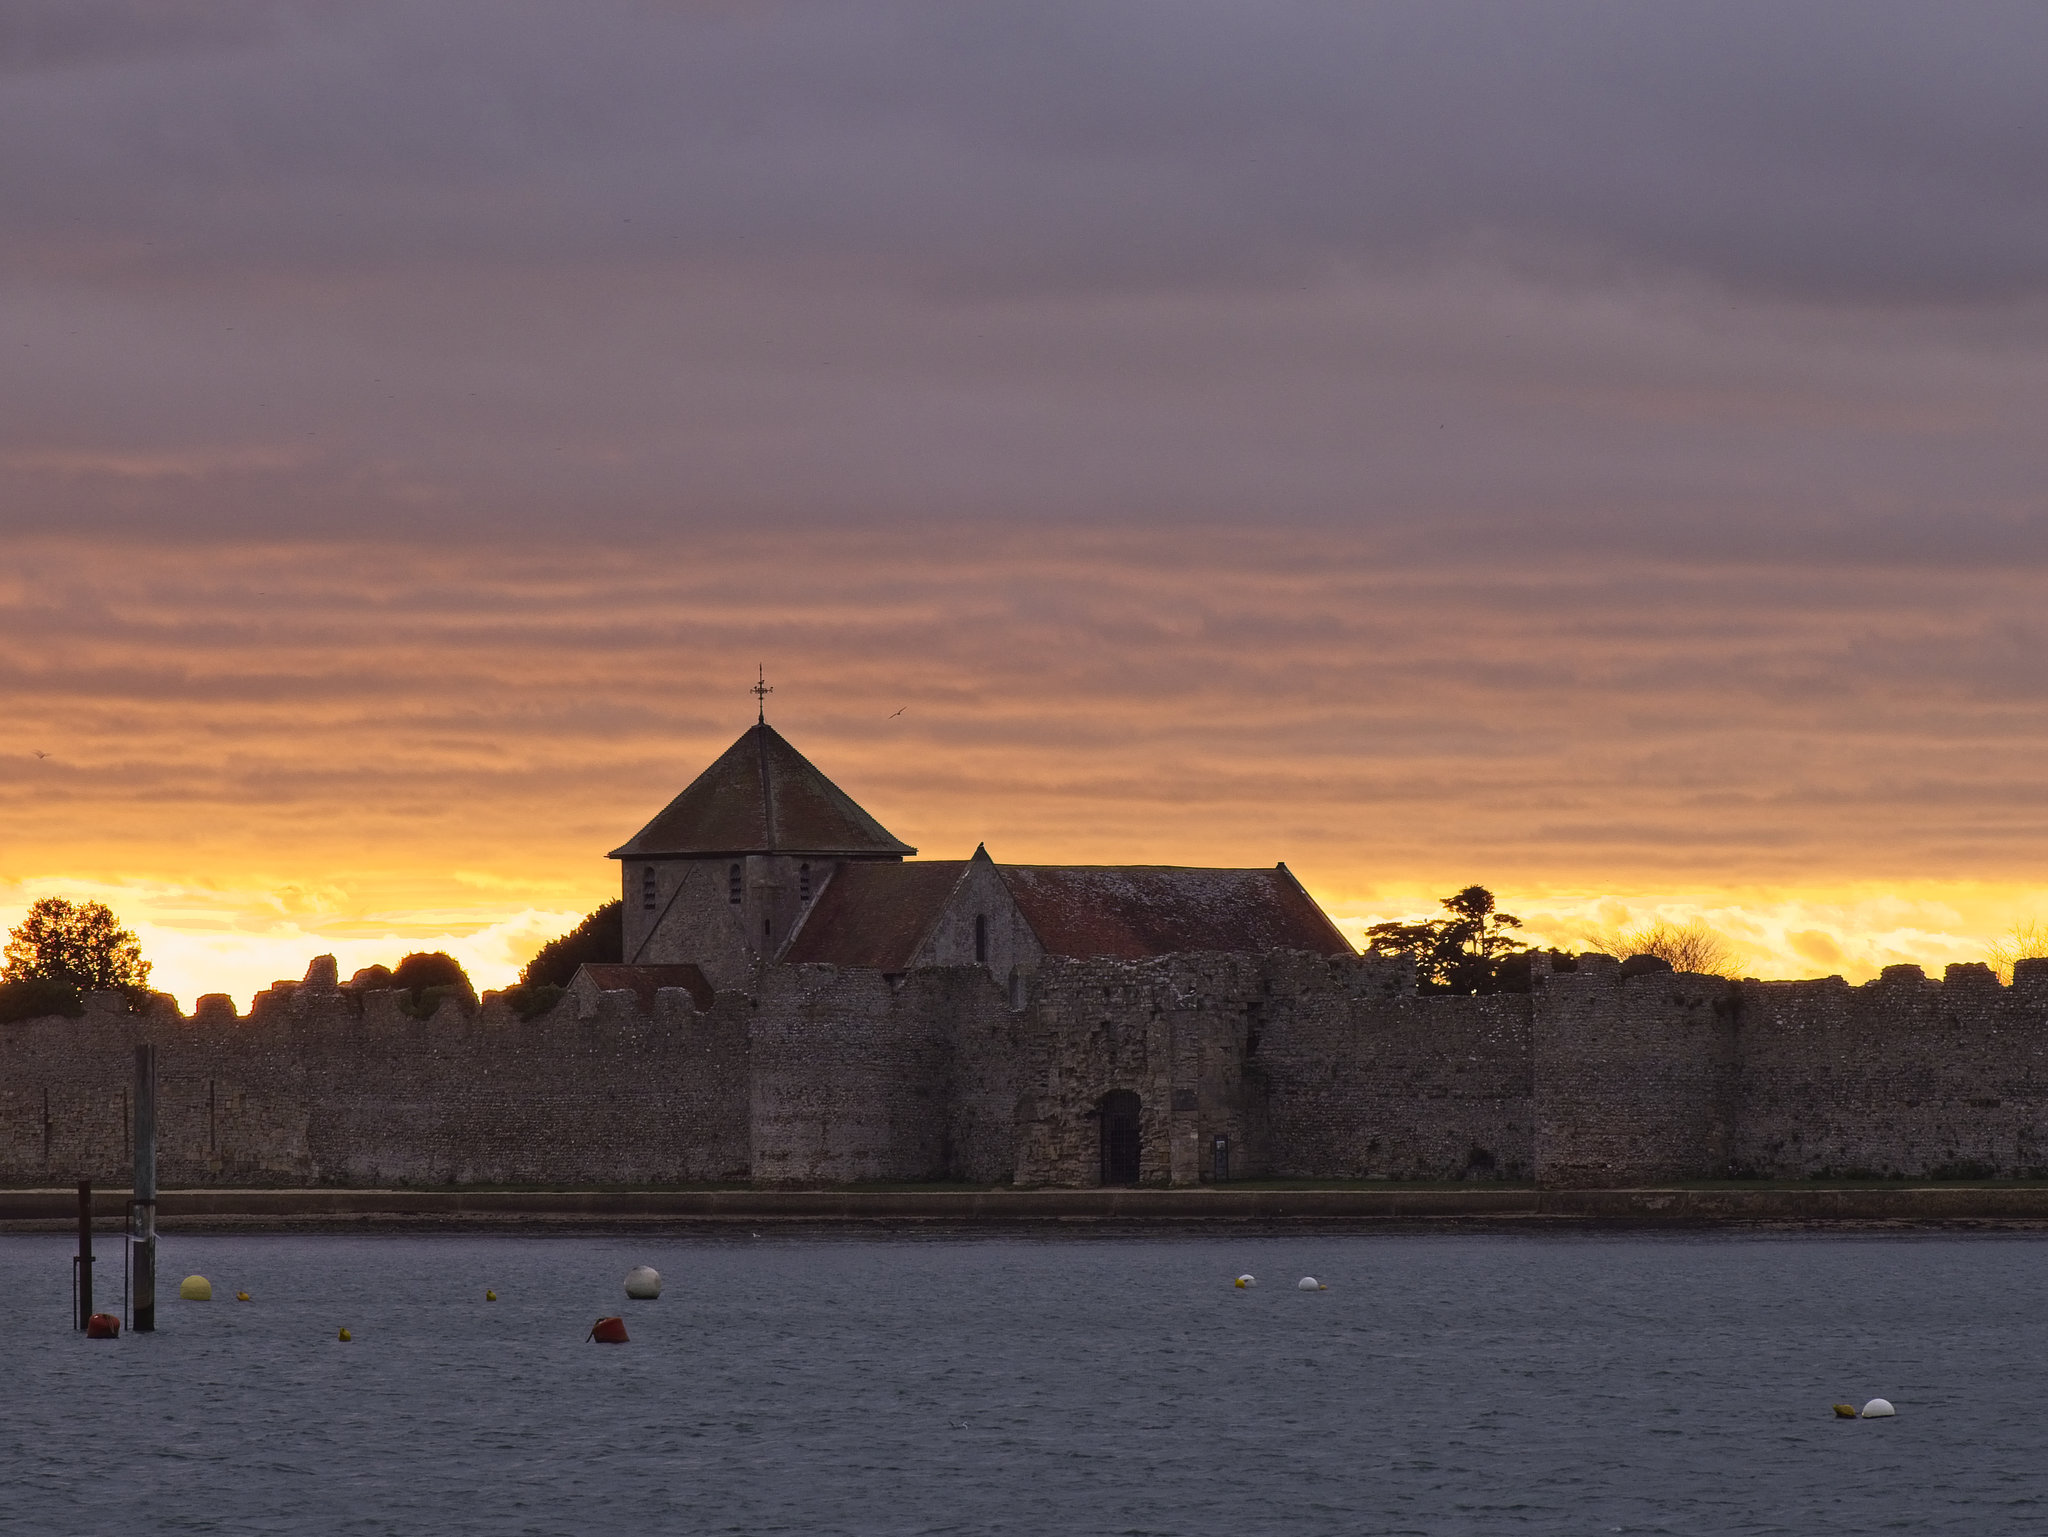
[(326, 1088), (1902, 1076), (1634, 1078), (1366, 1080), (1302, 1066)]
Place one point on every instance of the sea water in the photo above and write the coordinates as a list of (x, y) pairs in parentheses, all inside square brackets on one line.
[(1455, 1383)]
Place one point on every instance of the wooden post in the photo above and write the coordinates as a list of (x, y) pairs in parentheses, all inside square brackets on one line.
[(83, 1263), (143, 1298)]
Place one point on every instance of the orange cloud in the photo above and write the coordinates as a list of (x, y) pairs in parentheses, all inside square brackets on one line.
[(288, 748)]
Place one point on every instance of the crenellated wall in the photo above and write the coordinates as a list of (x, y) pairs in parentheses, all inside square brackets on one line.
[(1301, 1066)]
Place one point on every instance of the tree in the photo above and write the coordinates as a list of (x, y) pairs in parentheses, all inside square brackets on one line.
[(598, 940), (1462, 952), (81, 945), (1691, 946)]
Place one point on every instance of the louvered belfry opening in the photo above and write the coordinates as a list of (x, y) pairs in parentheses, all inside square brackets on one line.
[(1121, 1148)]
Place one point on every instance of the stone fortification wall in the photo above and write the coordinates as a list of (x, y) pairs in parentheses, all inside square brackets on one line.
[(1301, 1066), (320, 1087), (1901, 1076), (1366, 1080), (1170, 1031), (1634, 1077), (852, 1074)]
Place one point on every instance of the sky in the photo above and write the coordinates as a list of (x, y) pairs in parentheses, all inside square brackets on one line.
[(1586, 449)]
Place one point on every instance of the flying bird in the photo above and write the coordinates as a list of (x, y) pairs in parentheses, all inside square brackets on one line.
[(42, 755), (899, 712)]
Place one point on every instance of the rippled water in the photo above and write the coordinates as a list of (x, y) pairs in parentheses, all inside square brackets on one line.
[(1443, 1384)]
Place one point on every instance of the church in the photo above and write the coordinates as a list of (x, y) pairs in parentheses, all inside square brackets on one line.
[(763, 860)]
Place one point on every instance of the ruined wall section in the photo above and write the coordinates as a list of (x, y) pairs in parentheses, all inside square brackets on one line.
[(1635, 1077), (1903, 1076), (1364, 1079)]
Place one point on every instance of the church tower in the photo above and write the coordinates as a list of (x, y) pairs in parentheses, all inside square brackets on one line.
[(723, 874)]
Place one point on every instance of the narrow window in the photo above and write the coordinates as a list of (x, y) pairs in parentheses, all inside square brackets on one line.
[(803, 883), (980, 940), (732, 885), (767, 927), (647, 888)]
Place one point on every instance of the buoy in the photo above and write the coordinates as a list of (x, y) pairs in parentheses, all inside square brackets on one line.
[(490, 1296), (643, 1283), (1309, 1283), (196, 1288), (241, 1296), (1878, 1409), (1845, 1411), (609, 1331), (1245, 1280), (103, 1326), (345, 1336)]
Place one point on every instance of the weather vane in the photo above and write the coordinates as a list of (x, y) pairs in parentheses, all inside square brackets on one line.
[(761, 691)]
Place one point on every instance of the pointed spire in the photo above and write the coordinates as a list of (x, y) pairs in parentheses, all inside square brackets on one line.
[(981, 853)]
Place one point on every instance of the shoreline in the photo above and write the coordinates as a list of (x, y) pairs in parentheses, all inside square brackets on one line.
[(1365, 1208)]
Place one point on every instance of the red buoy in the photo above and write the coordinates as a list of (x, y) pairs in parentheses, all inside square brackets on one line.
[(609, 1331), (103, 1326)]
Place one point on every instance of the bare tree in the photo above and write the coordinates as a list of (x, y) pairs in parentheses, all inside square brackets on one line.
[(2026, 941), (1692, 946)]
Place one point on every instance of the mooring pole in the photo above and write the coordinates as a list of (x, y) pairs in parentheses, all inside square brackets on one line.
[(144, 1295), (83, 1264)]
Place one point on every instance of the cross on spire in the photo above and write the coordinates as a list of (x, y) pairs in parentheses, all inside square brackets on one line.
[(761, 691)]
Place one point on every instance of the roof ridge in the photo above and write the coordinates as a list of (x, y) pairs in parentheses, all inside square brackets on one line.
[(761, 731)]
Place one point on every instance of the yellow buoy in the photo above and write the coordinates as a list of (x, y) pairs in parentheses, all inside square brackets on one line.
[(345, 1335), (196, 1288), (490, 1296), (1845, 1411), (241, 1296)]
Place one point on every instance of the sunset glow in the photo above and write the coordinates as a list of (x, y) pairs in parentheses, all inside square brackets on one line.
[(1602, 471)]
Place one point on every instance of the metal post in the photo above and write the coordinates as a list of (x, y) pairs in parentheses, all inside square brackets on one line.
[(144, 1297), (83, 1264)]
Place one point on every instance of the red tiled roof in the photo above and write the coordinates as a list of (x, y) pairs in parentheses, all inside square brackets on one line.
[(1131, 912), (874, 914), (644, 980), (762, 796)]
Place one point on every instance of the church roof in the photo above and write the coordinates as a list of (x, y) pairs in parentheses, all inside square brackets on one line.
[(874, 915), (762, 796), (1132, 912)]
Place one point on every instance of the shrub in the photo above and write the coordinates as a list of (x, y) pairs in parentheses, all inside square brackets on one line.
[(430, 968), (37, 998), (532, 1002)]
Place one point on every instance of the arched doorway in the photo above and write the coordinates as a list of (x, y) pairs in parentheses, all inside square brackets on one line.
[(1120, 1144)]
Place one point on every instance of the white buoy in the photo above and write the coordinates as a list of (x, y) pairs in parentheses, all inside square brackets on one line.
[(1247, 1280), (1309, 1283), (643, 1283), (1878, 1408)]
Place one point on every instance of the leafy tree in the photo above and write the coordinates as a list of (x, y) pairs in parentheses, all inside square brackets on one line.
[(1469, 950), (598, 940), (79, 944)]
